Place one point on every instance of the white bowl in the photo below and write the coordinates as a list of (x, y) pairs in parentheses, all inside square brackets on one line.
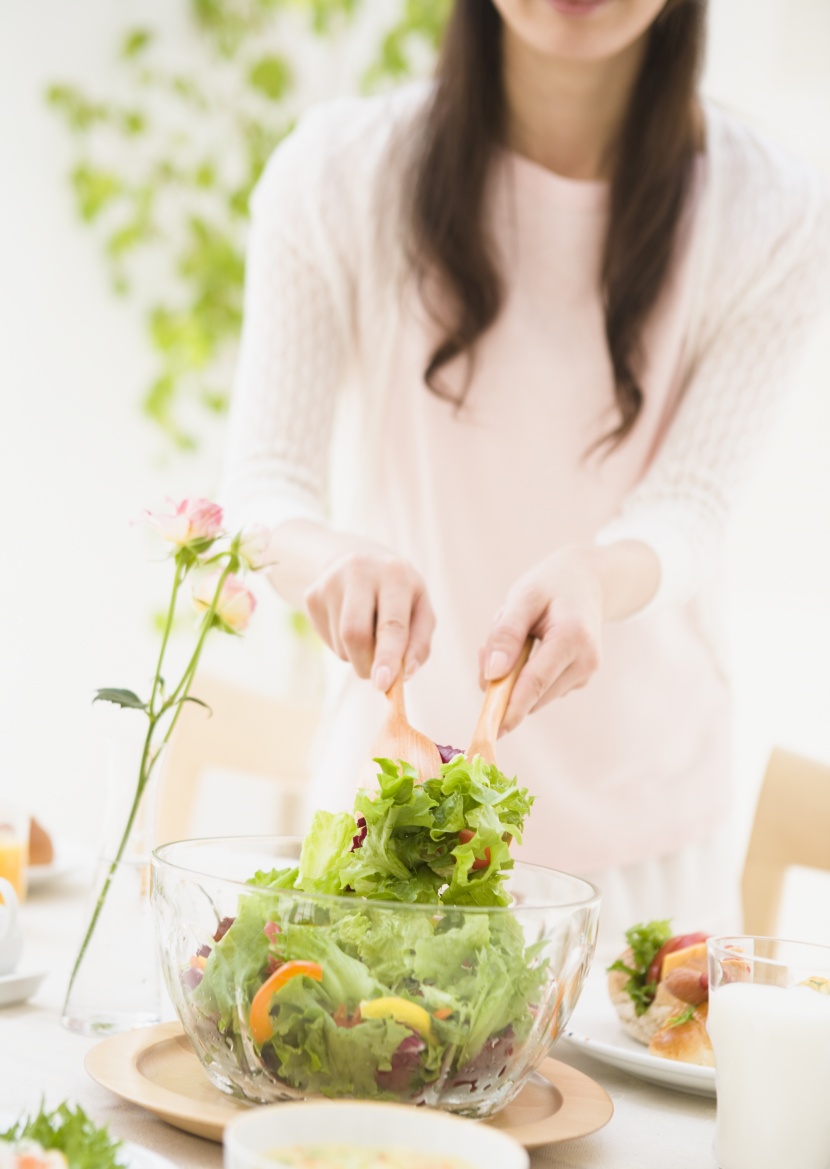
[(367, 1126)]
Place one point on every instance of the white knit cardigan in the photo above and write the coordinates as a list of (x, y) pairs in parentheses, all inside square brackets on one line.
[(322, 262)]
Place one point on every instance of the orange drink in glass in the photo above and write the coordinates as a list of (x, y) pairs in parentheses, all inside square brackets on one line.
[(14, 847)]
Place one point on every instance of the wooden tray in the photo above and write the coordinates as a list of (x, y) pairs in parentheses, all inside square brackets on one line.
[(157, 1068)]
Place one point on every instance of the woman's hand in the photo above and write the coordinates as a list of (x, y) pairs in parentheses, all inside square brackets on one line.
[(563, 602), (371, 607)]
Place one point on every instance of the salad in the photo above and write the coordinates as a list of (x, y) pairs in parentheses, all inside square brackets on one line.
[(333, 994), (64, 1138)]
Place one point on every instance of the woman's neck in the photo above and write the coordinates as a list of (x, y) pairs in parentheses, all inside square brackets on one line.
[(565, 114)]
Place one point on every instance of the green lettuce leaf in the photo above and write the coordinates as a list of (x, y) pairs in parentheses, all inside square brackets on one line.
[(644, 941), (314, 1054), (237, 964), (326, 842), (411, 851)]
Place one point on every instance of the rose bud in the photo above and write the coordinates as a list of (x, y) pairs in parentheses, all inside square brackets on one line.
[(195, 523), (234, 606)]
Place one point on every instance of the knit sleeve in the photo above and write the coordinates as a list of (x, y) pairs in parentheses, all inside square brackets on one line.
[(779, 245), (294, 341)]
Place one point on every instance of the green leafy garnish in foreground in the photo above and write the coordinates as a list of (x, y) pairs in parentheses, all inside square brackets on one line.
[(469, 979), (644, 941), (84, 1144)]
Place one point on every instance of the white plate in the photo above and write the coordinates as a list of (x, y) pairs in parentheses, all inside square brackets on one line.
[(595, 1029), (69, 857), (19, 986), (133, 1156)]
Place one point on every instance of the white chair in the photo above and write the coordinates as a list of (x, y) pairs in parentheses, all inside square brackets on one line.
[(242, 768), (791, 827)]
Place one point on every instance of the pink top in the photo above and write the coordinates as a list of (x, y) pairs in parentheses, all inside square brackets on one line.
[(638, 763)]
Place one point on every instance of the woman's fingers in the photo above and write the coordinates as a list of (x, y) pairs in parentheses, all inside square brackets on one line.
[(372, 610), (341, 605), (394, 613), (519, 617), (550, 661), (421, 629), (357, 624), (560, 603), (565, 659), (321, 613), (573, 678)]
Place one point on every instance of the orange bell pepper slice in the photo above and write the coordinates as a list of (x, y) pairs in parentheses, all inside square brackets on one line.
[(259, 1019)]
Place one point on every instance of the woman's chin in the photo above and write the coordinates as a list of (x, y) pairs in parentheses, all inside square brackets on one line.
[(579, 30)]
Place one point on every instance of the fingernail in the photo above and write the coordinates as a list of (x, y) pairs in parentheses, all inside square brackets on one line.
[(496, 665), (410, 668), (382, 678)]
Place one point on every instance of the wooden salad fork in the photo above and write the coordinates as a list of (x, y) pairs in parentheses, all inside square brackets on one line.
[(496, 701), (397, 739)]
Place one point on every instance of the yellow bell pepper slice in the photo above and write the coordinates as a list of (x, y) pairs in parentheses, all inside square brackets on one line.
[(401, 1010)]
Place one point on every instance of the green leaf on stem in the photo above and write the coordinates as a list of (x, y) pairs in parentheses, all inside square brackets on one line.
[(120, 698), (198, 701)]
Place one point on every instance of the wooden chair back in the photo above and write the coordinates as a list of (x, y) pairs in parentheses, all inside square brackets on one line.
[(248, 737), (791, 827)]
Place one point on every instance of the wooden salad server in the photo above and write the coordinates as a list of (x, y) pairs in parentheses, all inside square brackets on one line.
[(398, 740), (496, 701)]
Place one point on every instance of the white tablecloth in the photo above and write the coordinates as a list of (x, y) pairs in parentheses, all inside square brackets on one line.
[(652, 1127)]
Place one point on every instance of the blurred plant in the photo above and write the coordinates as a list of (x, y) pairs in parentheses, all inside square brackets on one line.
[(164, 174)]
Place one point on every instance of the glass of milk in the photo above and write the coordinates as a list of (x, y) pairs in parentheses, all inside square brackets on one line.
[(769, 1022)]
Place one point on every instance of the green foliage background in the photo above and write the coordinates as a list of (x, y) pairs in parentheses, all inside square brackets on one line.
[(163, 174)]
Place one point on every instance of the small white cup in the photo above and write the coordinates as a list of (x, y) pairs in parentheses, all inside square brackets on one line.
[(11, 935)]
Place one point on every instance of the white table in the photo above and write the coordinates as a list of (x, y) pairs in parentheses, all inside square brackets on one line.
[(652, 1127)]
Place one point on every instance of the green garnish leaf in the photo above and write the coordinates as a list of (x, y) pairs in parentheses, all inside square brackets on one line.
[(85, 1144), (644, 942), (684, 1017)]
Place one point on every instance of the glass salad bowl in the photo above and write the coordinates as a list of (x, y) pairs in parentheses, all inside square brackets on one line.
[(288, 993)]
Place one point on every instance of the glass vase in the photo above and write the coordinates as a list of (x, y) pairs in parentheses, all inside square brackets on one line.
[(115, 983)]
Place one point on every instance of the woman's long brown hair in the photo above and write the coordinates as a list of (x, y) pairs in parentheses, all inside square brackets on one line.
[(465, 124)]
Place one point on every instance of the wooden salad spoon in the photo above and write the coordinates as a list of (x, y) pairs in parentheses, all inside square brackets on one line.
[(397, 739), (496, 701)]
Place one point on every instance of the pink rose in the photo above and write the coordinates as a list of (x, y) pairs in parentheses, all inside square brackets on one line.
[(194, 522), (235, 605), (256, 548)]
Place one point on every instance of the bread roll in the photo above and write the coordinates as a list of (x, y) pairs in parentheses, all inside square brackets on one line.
[(41, 851), (687, 1042)]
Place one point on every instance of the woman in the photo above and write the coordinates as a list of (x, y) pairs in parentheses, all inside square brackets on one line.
[(558, 298)]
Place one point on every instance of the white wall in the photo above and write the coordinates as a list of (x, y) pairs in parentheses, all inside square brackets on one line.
[(769, 60), (77, 462)]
